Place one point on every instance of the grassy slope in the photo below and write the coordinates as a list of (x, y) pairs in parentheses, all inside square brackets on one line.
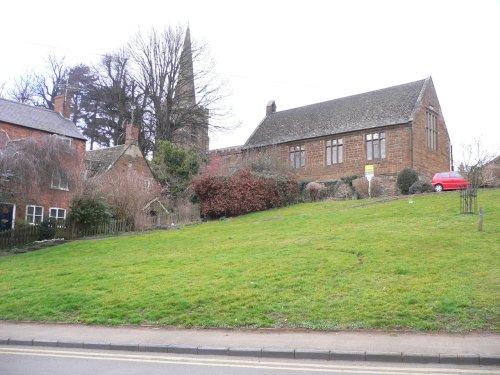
[(325, 265)]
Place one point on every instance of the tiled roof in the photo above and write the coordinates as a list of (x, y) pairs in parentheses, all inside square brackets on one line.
[(389, 106), (101, 160), (37, 118)]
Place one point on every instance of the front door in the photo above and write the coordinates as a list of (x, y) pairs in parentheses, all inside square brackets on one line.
[(6, 215)]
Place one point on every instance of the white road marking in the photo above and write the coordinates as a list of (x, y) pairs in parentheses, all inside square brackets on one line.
[(271, 365)]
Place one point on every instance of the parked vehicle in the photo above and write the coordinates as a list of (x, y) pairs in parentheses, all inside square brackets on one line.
[(449, 181)]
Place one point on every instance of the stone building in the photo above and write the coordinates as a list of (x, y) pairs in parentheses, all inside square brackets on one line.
[(392, 128), (190, 118)]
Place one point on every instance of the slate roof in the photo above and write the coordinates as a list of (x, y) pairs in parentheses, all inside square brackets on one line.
[(101, 160), (37, 118), (389, 106)]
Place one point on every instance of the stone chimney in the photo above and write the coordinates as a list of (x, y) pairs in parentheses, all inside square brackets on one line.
[(131, 135), (62, 104), (271, 107)]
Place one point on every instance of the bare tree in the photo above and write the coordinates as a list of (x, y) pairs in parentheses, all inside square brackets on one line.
[(23, 90), (125, 193), (41, 88), (474, 160), (178, 94)]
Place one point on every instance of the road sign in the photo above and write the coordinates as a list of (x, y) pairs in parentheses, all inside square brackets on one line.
[(369, 173), (369, 170)]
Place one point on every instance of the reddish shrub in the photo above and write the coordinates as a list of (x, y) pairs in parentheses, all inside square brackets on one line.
[(243, 193)]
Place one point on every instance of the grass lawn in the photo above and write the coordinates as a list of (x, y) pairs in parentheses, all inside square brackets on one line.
[(413, 263)]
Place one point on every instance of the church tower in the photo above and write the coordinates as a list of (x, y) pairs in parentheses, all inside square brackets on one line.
[(192, 118)]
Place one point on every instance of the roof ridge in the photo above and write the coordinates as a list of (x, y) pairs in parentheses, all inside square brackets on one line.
[(107, 148), (350, 96)]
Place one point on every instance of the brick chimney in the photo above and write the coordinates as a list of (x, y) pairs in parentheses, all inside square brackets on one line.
[(62, 104), (271, 107), (131, 135)]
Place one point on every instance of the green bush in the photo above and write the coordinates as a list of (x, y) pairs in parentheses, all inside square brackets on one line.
[(420, 187), (47, 230), (406, 178), (175, 166), (89, 211)]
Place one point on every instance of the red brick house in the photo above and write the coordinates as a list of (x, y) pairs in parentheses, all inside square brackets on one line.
[(392, 128), (20, 122), (120, 164)]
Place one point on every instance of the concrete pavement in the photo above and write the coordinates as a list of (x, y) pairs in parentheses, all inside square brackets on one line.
[(471, 348)]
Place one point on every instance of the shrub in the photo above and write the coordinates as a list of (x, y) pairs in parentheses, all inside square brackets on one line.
[(89, 211), (174, 166), (314, 190), (47, 230), (420, 187), (243, 193), (360, 186), (406, 178), (343, 191)]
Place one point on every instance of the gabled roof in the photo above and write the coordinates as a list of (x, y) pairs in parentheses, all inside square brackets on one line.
[(101, 160), (389, 106), (37, 118)]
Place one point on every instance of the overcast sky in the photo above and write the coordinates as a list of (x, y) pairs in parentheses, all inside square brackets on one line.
[(295, 52)]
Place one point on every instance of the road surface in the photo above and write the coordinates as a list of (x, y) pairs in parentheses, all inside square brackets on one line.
[(16, 360)]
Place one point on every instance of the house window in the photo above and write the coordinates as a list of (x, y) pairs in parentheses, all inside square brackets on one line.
[(62, 138), (298, 156), (34, 214), (431, 131), (59, 181), (59, 214), (334, 151), (375, 146)]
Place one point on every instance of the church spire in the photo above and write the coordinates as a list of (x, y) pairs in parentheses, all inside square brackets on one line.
[(185, 86)]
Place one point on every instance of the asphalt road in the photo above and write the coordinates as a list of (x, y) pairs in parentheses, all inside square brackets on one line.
[(41, 361)]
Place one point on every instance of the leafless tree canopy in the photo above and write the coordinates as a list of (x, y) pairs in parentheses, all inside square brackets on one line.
[(124, 192), (142, 83), (474, 162)]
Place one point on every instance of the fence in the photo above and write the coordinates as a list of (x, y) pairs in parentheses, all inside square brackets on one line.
[(20, 236), (468, 201)]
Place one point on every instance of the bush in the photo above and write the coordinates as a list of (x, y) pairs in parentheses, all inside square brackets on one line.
[(89, 211), (343, 191), (406, 178), (242, 193), (314, 189), (420, 187), (47, 230), (360, 186), (174, 166)]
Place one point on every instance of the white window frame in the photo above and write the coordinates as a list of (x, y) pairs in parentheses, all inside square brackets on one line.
[(34, 215), (63, 184), (57, 215)]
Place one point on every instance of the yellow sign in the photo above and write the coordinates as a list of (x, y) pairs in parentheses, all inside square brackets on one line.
[(369, 169)]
